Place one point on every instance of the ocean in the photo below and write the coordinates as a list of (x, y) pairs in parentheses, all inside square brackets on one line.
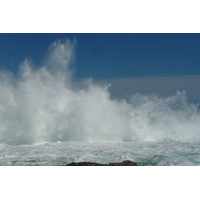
[(62, 153), (47, 119)]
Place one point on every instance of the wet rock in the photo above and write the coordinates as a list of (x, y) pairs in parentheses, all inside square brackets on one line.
[(84, 164), (124, 163)]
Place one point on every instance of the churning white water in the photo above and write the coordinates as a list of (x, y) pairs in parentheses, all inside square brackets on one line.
[(45, 119)]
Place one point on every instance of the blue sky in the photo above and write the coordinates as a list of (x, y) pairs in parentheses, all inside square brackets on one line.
[(124, 57), (111, 55)]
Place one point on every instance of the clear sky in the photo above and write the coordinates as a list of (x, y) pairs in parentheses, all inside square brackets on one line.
[(111, 55), (114, 56)]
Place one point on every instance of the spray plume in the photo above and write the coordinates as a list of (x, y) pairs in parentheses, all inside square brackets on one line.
[(43, 106)]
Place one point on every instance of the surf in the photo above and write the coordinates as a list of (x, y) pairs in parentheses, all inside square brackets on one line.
[(43, 104)]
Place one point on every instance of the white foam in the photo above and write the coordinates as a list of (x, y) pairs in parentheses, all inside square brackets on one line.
[(43, 105)]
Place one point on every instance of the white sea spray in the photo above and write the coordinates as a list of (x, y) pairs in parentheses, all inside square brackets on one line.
[(43, 105)]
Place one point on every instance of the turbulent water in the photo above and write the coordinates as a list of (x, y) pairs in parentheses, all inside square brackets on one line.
[(47, 119), (62, 153)]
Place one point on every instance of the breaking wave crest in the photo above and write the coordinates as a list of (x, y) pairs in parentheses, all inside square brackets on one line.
[(43, 105)]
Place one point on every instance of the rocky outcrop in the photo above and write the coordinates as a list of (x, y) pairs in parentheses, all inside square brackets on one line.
[(124, 163)]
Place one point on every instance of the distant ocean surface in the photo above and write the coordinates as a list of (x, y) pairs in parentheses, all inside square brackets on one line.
[(62, 153), (46, 119)]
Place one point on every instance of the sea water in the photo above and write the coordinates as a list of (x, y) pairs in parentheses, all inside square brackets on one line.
[(62, 153), (47, 119)]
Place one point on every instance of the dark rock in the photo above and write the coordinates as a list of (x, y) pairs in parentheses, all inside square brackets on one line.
[(84, 164), (124, 163)]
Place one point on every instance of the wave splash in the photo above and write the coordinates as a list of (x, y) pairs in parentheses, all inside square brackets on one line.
[(43, 105)]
